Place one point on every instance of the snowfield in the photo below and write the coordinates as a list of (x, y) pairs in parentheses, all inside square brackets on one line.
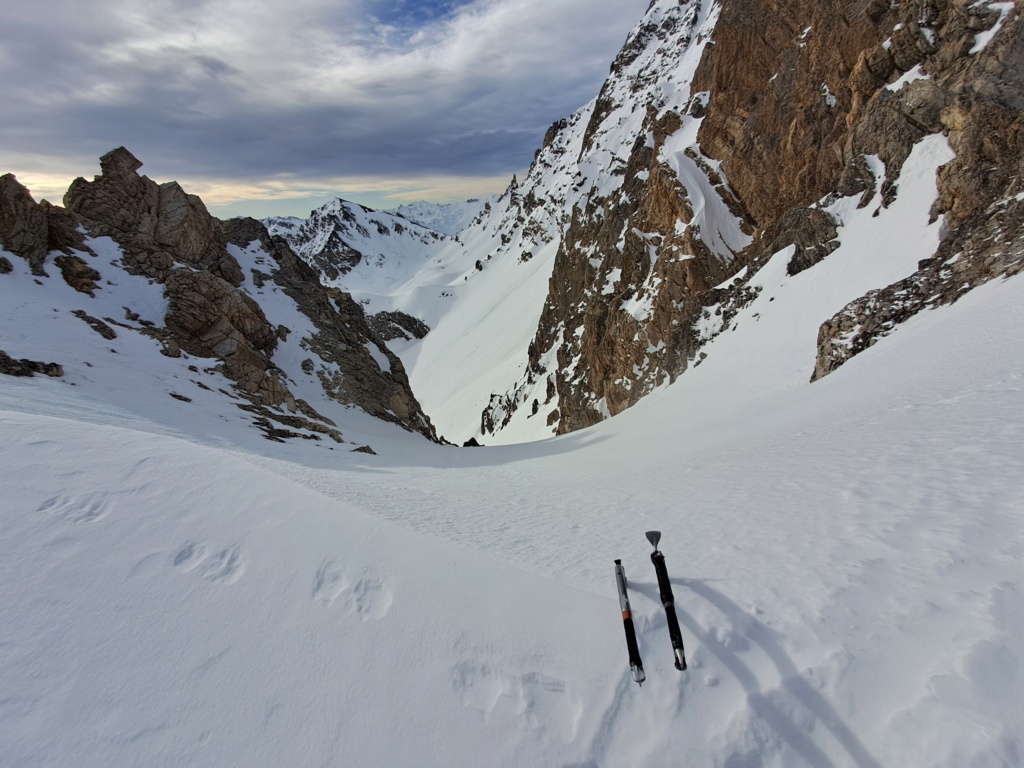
[(846, 556)]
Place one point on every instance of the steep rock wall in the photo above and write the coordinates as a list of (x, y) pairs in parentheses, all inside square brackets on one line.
[(767, 110)]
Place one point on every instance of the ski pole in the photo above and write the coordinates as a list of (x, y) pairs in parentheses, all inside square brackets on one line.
[(635, 664), (668, 600)]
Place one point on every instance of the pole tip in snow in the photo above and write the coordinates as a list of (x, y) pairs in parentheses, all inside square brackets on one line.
[(654, 537), (638, 675)]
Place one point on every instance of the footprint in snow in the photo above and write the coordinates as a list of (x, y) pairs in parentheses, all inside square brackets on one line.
[(224, 567), (372, 598), (87, 508), (190, 556), (369, 597), (330, 583), (539, 700)]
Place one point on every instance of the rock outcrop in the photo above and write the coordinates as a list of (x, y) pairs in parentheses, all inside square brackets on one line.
[(23, 225), (169, 237), (157, 225), (783, 105), (21, 367), (354, 364), (32, 230), (841, 94)]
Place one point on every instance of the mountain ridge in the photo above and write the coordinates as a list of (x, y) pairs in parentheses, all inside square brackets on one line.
[(208, 288)]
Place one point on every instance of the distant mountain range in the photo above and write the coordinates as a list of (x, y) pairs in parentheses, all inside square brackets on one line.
[(449, 218)]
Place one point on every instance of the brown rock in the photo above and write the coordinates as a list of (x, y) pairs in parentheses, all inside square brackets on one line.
[(62, 230), (155, 225), (342, 339), (11, 367), (794, 103), (78, 274), (211, 318), (23, 225), (96, 324)]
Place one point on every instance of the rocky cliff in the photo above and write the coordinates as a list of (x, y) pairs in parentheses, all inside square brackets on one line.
[(216, 279), (794, 125), (726, 134)]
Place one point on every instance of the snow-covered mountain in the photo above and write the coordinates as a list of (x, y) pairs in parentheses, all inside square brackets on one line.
[(642, 225), (135, 288), (846, 559), (377, 249), (808, 218), (450, 218)]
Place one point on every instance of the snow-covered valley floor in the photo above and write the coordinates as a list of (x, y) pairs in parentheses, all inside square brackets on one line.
[(847, 557)]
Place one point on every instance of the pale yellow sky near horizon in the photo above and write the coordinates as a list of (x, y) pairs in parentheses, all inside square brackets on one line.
[(292, 197)]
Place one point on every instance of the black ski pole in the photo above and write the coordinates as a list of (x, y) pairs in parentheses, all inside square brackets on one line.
[(635, 664), (667, 599)]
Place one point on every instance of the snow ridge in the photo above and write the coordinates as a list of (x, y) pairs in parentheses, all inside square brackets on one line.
[(449, 218)]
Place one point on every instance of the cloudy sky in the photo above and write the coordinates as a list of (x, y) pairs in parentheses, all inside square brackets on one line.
[(274, 106)]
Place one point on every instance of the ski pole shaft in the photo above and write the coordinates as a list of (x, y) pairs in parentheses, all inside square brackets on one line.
[(669, 601), (635, 664)]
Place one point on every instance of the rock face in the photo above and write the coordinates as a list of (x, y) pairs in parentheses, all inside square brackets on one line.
[(722, 132), (349, 350), (972, 91), (651, 227), (32, 231), (169, 237), (156, 224), (23, 226)]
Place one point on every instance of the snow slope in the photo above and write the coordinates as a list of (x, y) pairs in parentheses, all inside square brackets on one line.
[(449, 218), (848, 555), (126, 378), (847, 560)]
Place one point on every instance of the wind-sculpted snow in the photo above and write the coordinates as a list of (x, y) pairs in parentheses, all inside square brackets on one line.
[(846, 558)]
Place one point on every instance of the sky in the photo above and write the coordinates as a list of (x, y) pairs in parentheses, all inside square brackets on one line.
[(275, 107)]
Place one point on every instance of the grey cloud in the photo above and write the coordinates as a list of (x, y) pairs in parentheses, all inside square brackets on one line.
[(73, 90)]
